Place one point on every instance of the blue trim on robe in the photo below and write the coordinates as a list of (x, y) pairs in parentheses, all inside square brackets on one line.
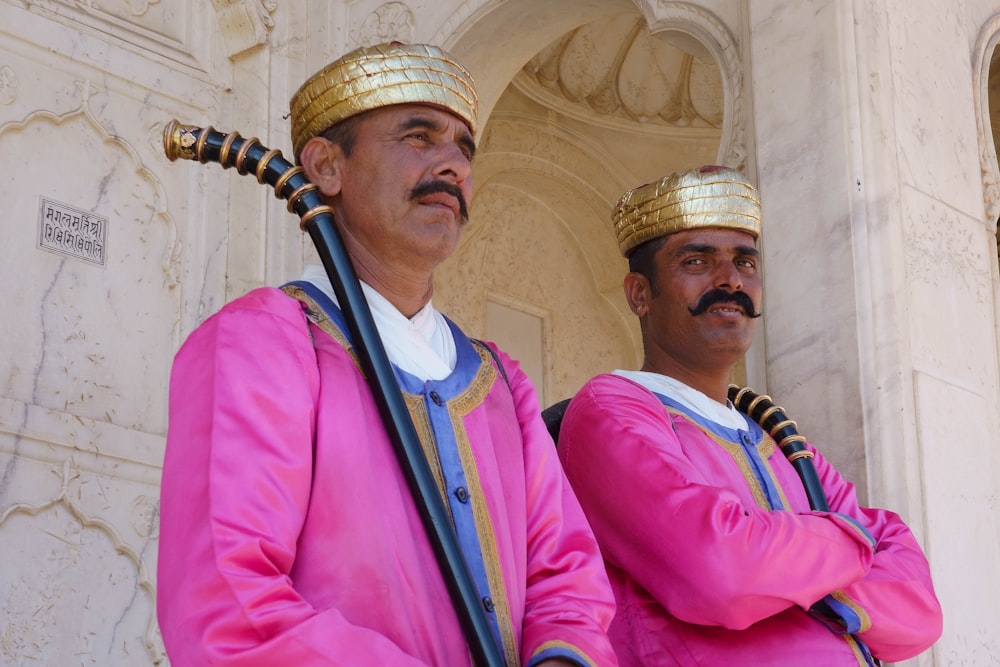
[(829, 610), (467, 367), (749, 440), (837, 616), (555, 652), (858, 527)]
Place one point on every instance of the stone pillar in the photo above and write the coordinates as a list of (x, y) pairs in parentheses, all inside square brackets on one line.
[(879, 287)]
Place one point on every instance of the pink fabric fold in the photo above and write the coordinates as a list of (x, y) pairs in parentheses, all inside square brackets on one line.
[(704, 573)]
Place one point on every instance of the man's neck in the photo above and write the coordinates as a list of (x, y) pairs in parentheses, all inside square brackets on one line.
[(714, 384), (403, 278), (406, 288), (407, 297)]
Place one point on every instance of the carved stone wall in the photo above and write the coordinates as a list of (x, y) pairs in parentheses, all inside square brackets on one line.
[(867, 132), (95, 268)]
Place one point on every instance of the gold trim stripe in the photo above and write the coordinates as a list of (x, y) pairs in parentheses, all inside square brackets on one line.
[(843, 598), (316, 315), (859, 655), (458, 408), (569, 647), (765, 450)]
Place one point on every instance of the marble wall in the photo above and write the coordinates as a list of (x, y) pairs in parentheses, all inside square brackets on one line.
[(884, 332), (863, 122)]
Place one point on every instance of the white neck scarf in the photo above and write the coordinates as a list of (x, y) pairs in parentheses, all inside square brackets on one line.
[(692, 399), (422, 345)]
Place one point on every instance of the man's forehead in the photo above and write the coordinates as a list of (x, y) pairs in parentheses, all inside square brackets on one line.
[(717, 237), (430, 114)]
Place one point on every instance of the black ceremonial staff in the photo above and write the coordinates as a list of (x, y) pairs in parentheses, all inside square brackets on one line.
[(289, 182), (772, 419)]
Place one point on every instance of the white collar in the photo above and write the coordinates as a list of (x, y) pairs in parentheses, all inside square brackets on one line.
[(422, 345), (689, 397)]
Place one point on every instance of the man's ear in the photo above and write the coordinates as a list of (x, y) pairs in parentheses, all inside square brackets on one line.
[(322, 161), (637, 292)]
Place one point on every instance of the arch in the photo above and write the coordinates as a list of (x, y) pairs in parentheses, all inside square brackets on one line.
[(549, 168), (495, 42), (587, 190), (986, 57), (244, 24), (986, 45), (692, 27), (78, 518)]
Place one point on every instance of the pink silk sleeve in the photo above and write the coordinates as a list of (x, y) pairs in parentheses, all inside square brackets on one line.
[(236, 483), (569, 604), (900, 612), (708, 556)]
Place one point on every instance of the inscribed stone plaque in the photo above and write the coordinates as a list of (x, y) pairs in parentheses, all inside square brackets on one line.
[(69, 231)]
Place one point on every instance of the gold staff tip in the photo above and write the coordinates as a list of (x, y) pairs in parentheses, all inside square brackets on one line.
[(179, 140)]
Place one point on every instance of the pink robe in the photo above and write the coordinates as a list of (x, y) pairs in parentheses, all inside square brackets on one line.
[(705, 572), (288, 534)]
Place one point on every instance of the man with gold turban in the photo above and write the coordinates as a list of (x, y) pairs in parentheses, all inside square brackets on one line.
[(288, 533), (713, 552)]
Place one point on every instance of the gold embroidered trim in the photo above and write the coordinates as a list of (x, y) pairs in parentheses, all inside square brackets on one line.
[(859, 655), (316, 315), (417, 408), (458, 408), (842, 597), (569, 647), (858, 529), (765, 450)]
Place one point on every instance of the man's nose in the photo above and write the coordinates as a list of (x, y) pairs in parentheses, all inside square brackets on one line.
[(728, 277), (452, 163)]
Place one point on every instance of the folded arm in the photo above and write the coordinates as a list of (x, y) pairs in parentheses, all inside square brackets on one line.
[(894, 603), (667, 514)]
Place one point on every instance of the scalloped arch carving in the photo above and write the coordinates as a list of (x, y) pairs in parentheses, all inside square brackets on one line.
[(245, 24), (986, 84), (710, 33), (677, 67), (100, 316), (390, 21), (60, 528)]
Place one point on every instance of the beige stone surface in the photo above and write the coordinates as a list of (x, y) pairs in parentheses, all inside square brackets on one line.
[(869, 133)]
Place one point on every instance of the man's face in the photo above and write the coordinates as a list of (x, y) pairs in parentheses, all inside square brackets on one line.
[(405, 187), (694, 318)]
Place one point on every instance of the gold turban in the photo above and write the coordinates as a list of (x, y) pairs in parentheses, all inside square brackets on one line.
[(704, 197), (378, 76)]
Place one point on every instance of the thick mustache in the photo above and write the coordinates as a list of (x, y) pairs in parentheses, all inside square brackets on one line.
[(715, 296), (434, 187)]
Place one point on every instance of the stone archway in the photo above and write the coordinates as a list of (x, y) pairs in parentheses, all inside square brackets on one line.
[(993, 92), (993, 106), (581, 101), (986, 82)]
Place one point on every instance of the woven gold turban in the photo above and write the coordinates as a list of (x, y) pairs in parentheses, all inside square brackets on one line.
[(704, 197), (378, 76)]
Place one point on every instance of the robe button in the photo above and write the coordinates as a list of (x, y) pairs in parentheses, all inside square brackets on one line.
[(488, 604), (436, 398), (462, 494)]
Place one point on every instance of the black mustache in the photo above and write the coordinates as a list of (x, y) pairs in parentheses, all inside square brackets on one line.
[(434, 187), (715, 296)]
